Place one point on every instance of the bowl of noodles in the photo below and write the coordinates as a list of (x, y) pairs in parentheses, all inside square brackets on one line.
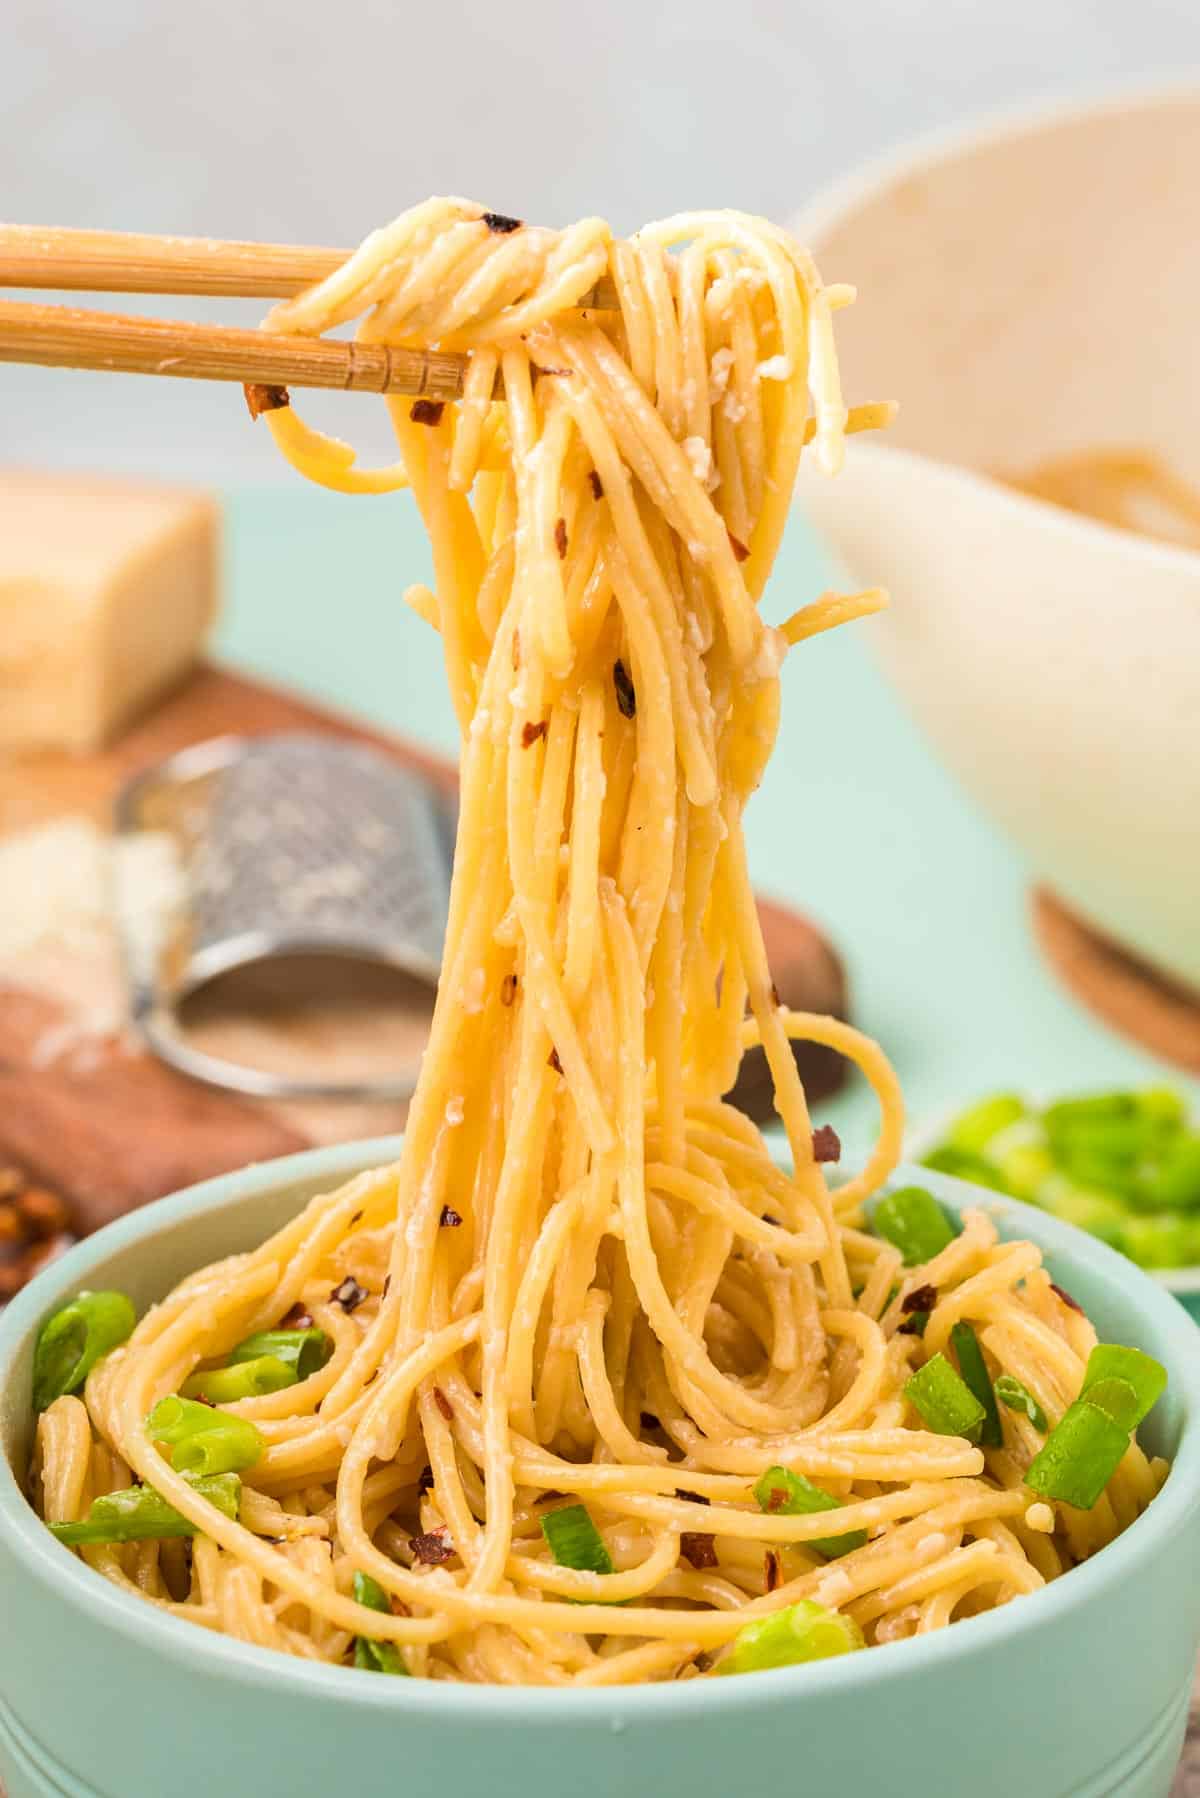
[(1077, 1687), (575, 1440), (1026, 291)]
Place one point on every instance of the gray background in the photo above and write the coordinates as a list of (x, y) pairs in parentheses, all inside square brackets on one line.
[(262, 119)]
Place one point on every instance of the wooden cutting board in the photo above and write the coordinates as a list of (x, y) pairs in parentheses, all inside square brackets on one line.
[(114, 1128)]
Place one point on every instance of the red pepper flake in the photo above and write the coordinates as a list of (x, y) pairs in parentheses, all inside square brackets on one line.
[(560, 537), (508, 989), (827, 1144), (921, 1298), (261, 397), (739, 548), (552, 1061), (1067, 1299), (626, 693), (431, 1548), (349, 1295), (772, 1572), (777, 1498), (597, 485), (692, 1498), (201, 1400), (698, 1547), (297, 1319), (427, 412), (516, 650), (531, 732), (443, 1404), (357, 1218), (386, 1283), (425, 1482), (501, 224), (449, 1220)]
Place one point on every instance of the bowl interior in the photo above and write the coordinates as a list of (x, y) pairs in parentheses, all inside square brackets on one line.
[(1028, 288)]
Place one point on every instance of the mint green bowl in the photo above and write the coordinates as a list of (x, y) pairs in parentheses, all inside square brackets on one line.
[(1078, 1691)]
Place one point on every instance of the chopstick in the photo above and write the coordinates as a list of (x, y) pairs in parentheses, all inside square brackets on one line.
[(67, 337), (135, 262), (68, 260)]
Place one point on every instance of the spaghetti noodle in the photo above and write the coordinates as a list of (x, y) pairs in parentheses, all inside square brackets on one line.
[(587, 1280)]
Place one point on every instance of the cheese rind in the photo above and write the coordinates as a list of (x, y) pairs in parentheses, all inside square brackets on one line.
[(107, 592)]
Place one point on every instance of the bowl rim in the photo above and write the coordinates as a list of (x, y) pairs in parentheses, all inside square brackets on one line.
[(927, 150), (1174, 558), (1009, 120), (218, 1657)]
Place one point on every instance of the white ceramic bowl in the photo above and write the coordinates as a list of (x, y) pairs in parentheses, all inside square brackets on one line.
[(1028, 288)]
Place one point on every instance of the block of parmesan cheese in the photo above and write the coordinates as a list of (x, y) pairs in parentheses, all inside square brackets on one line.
[(107, 590)]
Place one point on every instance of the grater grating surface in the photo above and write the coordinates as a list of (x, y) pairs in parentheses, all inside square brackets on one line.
[(296, 844)]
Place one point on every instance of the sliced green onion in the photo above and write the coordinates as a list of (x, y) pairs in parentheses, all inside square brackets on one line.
[(1117, 1399), (785, 1638), (1098, 1213), (1078, 1457), (1174, 1185), (71, 1342), (1010, 1392), (1094, 1109), (973, 1368), (376, 1657), (1163, 1107), (140, 1514), (786, 1494), (305, 1351), (575, 1541), (974, 1128), (1163, 1239), (1110, 1361), (1024, 1169), (914, 1222), (962, 1166), (249, 1379), (203, 1440), (945, 1402)]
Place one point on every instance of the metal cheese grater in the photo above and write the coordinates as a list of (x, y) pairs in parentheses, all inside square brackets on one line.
[(285, 846)]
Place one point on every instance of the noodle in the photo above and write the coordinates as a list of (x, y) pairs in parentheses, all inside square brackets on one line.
[(586, 1277), (1131, 489)]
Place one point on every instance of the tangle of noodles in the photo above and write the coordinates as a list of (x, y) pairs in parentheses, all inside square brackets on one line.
[(586, 1278)]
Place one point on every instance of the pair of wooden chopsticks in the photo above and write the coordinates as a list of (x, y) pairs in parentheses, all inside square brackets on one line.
[(127, 262)]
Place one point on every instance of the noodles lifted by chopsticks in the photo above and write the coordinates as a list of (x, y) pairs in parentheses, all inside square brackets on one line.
[(587, 1281)]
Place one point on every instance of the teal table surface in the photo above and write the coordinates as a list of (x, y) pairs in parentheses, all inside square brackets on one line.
[(855, 823)]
